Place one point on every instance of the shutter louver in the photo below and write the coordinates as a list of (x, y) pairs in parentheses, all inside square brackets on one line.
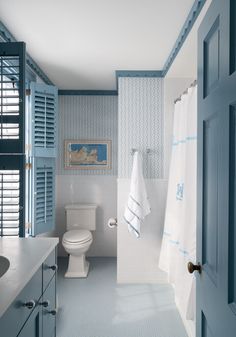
[(9, 202), (44, 195), (11, 195), (12, 97), (12, 132), (44, 107)]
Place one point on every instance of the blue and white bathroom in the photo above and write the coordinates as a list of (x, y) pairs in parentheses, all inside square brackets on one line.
[(117, 168)]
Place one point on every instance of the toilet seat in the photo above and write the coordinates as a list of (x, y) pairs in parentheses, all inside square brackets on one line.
[(76, 236)]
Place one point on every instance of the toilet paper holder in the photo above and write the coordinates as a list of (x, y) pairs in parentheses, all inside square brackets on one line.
[(112, 222)]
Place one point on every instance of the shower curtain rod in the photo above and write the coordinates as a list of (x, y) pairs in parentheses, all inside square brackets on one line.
[(193, 84)]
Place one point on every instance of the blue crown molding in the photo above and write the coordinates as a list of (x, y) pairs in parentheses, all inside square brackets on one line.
[(87, 92), (137, 73), (6, 36), (188, 24)]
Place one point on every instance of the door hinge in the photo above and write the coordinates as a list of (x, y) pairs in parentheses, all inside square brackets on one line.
[(28, 225), (28, 92), (28, 166), (28, 147)]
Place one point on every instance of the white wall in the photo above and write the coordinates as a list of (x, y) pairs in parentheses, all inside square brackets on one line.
[(88, 117), (140, 120), (101, 190)]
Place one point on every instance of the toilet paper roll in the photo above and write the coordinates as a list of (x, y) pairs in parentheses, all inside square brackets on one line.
[(112, 223)]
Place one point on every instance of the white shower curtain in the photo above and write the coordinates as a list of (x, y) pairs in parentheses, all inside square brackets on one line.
[(179, 237)]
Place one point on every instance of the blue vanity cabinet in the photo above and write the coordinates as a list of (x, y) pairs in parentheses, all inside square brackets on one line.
[(49, 269), (22, 307), (33, 312), (49, 310), (33, 326)]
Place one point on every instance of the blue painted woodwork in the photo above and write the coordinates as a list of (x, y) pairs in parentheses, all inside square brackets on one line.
[(43, 203), (7, 36), (37, 321), (43, 105), (33, 326), (188, 24), (87, 92), (44, 114), (216, 191), (137, 73), (16, 163), (12, 73), (12, 137), (48, 272), (49, 320), (17, 312)]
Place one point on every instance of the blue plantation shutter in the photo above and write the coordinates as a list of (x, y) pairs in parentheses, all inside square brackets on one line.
[(12, 97), (44, 195), (44, 117), (43, 103), (12, 145), (12, 170)]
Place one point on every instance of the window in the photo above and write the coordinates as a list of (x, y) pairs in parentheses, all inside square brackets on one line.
[(12, 158)]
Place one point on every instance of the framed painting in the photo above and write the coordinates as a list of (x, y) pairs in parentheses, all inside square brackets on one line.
[(87, 154)]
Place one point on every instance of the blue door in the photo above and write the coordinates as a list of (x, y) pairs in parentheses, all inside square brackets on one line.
[(216, 221)]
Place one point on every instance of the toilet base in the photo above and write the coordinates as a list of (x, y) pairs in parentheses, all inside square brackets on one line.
[(78, 267)]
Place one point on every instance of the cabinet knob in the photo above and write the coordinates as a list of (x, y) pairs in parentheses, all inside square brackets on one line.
[(30, 305), (54, 267), (45, 304), (53, 312)]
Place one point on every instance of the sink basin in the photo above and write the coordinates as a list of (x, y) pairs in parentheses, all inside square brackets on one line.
[(4, 265)]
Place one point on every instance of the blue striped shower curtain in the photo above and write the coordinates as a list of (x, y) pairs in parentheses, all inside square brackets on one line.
[(179, 237)]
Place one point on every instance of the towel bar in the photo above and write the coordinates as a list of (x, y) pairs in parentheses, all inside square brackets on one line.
[(148, 151)]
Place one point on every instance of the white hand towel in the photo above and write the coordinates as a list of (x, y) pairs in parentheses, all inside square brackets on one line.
[(138, 205)]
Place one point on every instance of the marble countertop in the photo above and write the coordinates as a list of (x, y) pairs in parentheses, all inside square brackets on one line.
[(25, 256)]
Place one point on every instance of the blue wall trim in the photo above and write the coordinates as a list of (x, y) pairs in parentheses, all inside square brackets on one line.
[(8, 37), (88, 92), (139, 73), (188, 24)]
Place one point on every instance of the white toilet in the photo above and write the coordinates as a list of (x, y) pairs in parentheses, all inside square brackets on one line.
[(80, 221)]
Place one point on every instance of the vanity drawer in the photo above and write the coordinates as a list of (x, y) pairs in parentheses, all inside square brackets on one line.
[(49, 269), (49, 310), (13, 319)]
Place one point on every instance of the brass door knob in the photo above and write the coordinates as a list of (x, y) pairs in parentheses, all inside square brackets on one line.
[(192, 267)]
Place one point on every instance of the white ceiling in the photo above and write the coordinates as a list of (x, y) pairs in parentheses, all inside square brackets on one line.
[(80, 43)]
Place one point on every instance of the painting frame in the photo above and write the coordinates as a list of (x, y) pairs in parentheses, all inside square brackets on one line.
[(84, 154)]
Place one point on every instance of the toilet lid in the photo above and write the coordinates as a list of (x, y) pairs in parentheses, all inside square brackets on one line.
[(77, 235)]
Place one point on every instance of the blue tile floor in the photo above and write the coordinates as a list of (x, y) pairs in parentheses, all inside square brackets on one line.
[(99, 307)]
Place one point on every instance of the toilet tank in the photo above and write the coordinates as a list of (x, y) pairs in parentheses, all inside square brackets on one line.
[(81, 216)]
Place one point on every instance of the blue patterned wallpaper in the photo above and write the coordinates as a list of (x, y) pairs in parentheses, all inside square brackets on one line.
[(140, 124), (87, 117)]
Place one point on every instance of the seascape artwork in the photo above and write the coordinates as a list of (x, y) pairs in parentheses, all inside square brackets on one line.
[(87, 154)]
